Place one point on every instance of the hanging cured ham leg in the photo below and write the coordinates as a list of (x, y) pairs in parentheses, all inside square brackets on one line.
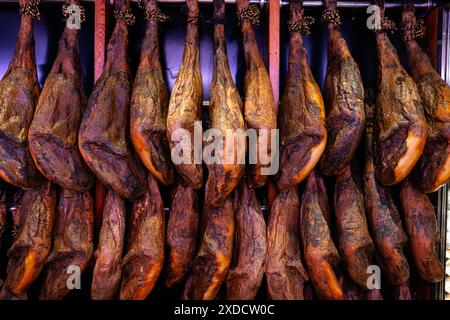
[(284, 270), (344, 97), (73, 243), (433, 169), (144, 260), (107, 270), (302, 114), (103, 137), (259, 105), (19, 92), (226, 116), (401, 126), (210, 266), (182, 232), (355, 244), (53, 132), (244, 278), (149, 103), (26, 257), (319, 250), (185, 104), (383, 217), (422, 230)]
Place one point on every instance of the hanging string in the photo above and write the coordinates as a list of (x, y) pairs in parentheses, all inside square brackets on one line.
[(31, 8), (302, 26), (156, 15), (74, 10), (251, 13), (414, 31), (387, 25), (331, 16), (125, 15)]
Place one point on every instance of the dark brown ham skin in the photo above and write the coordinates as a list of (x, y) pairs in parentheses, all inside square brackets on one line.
[(226, 116), (319, 250), (284, 270), (212, 262), (355, 244), (31, 247), (19, 93), (344, 98), (103, 138), (245, 275), (384, 220), (148, 110), (422, 230), (182, 232), (433, 169), (144, 259), (54, 129), (73, 242), (301, 118), (3, 215), (259, 104), (107, 270), (186, 98), (400, 121)]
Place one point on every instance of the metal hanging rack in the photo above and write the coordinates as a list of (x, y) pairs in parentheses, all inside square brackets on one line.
[(427, 4)]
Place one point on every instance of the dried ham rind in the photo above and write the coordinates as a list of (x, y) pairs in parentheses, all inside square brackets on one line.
[(301, 118), (433, 169), (400, 122), (73, 244), (144, 259), (321, 256), (104, 131), (259, 104), (149, 104), (226, 117), (54, 130), (31, 247), (250, 245), (284, 270), (107, 271), (212, 262), (182, 232), (344, 98), (185, 103), (19, 93)]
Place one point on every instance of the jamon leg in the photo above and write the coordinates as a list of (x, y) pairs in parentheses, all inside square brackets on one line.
[(422, 230), (144, 260), (302, 114), (344, 97), (433, 168), (149, 103), (185, 101), (182, 232), (226, 116), (259, 104), (319, 250), (355, 244), (400, 121), (284, 270), (73, 242), (384, 219), (104, 131), (107, 270), (210, 266), (19, 92), (53, 131), (27, 255), (244, 278)]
